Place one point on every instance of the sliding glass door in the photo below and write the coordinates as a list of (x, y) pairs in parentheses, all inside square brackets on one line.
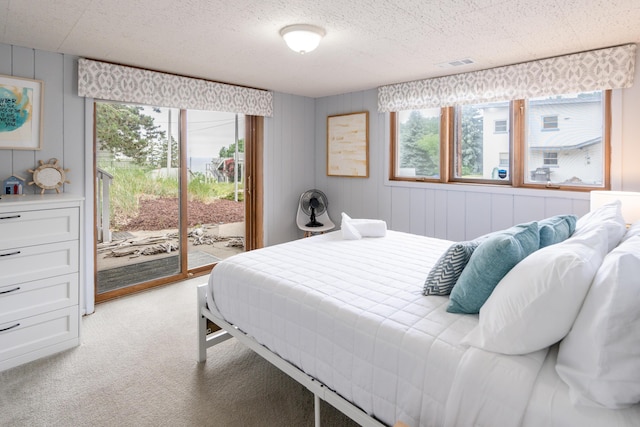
[(169, 194)]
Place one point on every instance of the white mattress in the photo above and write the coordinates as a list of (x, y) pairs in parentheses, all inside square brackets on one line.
[(351, 314)]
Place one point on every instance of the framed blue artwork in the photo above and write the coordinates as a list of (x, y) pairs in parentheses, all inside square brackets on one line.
[(20, 113)]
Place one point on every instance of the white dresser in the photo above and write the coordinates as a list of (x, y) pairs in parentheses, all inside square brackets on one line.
[(39, 276)]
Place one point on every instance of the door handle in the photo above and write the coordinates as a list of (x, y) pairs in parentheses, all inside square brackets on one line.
[(11, 253), (10, 327), (10, 217)]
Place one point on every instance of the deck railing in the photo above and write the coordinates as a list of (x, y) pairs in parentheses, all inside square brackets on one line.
[(103, 184)]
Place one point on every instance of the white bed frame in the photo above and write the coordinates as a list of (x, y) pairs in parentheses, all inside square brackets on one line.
[(319, 390)]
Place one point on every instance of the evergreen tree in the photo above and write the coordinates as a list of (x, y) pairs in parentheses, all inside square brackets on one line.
[(420, 144), (231, 149), (124, 130), (471, 141)]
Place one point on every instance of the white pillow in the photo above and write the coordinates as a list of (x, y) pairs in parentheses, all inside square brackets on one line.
[(600, 358), (609, 215), (535, 304)]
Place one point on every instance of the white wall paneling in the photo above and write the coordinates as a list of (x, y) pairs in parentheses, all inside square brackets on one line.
[(479, 210)]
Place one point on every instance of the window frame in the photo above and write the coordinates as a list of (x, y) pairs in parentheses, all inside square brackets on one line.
[(550, 155), (456, 150), (506, 126), (445, 132), (543, 123), (518, 147)]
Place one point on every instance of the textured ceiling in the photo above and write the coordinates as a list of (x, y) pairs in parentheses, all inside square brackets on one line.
[(368, 43)]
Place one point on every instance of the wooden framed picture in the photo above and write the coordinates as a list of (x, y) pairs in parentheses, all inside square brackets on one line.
[(20, 113), (348, 145)]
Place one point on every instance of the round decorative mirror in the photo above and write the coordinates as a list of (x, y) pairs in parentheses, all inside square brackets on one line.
[(49, 176)]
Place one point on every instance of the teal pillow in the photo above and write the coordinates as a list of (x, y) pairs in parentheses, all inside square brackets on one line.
[(489, 263), (556, 229)]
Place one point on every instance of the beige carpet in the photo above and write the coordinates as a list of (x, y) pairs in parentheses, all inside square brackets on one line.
[(137, 367)]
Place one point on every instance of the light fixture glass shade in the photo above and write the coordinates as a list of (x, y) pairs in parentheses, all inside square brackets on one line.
[(302, 38), (630, 203)]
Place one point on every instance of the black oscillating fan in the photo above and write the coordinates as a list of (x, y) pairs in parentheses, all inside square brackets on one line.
[(313, 202)]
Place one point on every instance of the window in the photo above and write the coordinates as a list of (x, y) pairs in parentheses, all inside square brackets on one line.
[(417, 153), (549, 122), (576, 151), (477, 148), (550, 158), (500, 126), (474, 149)]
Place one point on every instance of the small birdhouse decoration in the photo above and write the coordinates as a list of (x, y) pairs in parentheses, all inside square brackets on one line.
[(13, 185)]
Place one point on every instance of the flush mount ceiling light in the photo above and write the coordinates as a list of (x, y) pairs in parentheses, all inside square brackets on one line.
[(302, 38)]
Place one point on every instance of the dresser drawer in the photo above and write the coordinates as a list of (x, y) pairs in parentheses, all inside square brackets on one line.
[(36, 333), (36, 227), (32, 298), (37, 262)]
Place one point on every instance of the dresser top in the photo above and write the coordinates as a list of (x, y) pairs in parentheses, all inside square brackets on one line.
[(12, 201)]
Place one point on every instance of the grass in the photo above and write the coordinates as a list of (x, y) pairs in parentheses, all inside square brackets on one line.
[(132, 183)]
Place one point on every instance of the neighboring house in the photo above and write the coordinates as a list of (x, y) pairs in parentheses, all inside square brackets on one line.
[(225, 169), (564, 136)]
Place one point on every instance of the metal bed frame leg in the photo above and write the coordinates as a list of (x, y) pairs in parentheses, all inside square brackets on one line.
[(202, 326), (316, 405)]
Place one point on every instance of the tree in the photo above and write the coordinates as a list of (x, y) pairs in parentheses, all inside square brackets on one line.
[(124, 130), (231, 149), (471, 141), (420, 144), (157, 155)]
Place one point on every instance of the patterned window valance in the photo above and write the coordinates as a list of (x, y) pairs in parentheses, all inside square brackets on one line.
[(113, 82), (609, 68)]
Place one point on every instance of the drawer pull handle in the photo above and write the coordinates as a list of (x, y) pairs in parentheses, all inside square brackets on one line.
[(10, 327), (10, 217), (10, 290), (11, 253)]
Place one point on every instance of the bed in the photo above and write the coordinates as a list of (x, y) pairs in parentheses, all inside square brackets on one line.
[(349, 319)]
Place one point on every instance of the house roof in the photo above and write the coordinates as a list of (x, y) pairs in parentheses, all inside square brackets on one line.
[(367, 43), (565, 144)]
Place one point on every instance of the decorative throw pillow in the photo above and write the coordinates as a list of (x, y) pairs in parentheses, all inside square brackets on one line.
[(600, 357), (609, 215), (536, 303), (447, 269), (488, 264), (556, 229)]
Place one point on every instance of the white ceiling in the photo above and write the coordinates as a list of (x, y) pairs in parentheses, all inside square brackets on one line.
[(368, 43)]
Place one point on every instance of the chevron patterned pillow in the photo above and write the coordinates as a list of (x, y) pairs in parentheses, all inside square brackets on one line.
[(448, 268)]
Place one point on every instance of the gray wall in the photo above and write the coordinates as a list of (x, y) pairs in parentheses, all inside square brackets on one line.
[(458, 211), (68, 136), (295, 160), (288, 164), (63, 118)]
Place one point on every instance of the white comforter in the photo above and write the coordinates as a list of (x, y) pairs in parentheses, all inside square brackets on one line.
[(351, 314)]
